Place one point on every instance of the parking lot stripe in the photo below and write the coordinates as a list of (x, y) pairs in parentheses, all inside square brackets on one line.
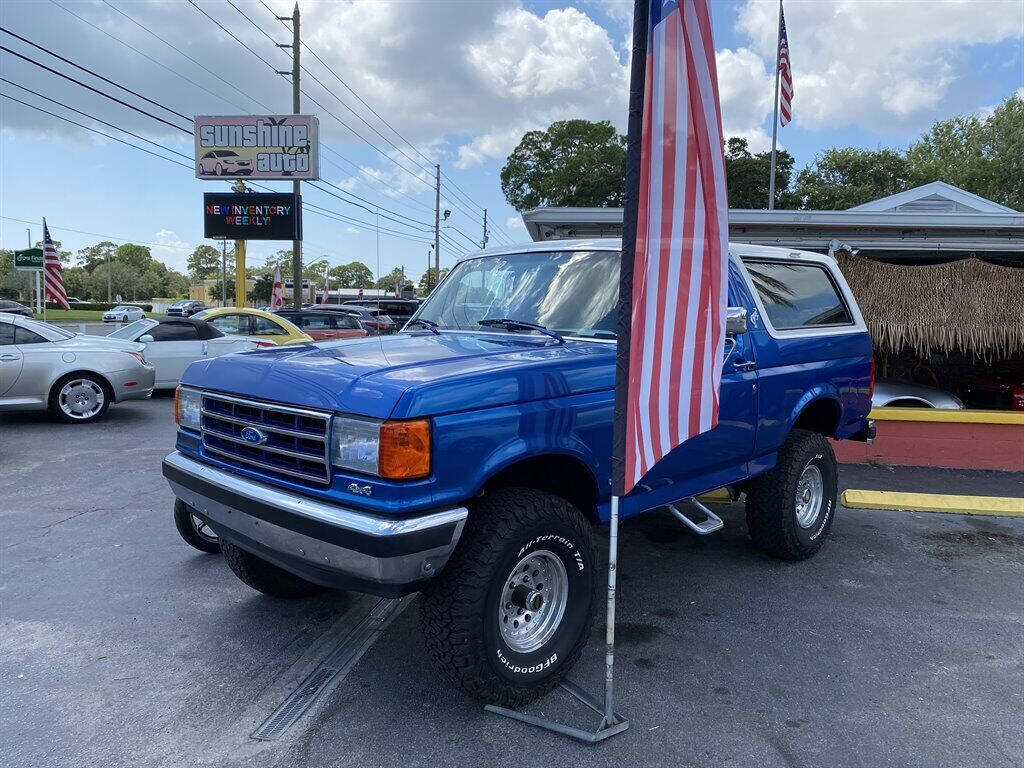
[(1001, 506), (331, 670)]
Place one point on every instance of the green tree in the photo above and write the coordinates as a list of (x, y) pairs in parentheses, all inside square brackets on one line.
[(95, 255), (204, 262), (572, 163), (843, 178), (355, 274), (76, 282), (134, 256), (747, 176), (393, 281), (429, 275), (64, 256)]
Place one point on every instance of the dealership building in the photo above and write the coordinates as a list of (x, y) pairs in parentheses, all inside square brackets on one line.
[(939, 275)]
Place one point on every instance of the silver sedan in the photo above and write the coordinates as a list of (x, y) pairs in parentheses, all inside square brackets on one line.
[(76, 377)]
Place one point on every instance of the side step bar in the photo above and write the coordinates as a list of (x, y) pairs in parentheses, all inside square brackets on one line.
[(709, 524)]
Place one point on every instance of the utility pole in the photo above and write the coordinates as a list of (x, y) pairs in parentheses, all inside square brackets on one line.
[(223, 273), (109, 292), (484, 245), (429, 250), (296, 184), (437, 227), (39, 294)]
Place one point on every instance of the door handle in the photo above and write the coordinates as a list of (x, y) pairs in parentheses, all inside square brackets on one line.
[(744, 365), (6, 358)]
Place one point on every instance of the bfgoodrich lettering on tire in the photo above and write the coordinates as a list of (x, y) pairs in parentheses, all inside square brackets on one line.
[(790, 509), (510, 614)]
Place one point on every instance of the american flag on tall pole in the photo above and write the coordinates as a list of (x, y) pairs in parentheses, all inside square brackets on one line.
[(673, 285), (277, 292), (786, 76), (327, 290), (53, 274)]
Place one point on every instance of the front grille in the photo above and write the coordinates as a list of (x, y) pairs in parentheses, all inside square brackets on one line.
[(297, 441)]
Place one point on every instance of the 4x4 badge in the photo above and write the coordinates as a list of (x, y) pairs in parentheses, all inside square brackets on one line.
[(363, 490)]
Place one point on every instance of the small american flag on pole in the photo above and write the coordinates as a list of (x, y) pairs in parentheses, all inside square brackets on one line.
[(277, 291), (673, 289), (786, 76), (53, 274)]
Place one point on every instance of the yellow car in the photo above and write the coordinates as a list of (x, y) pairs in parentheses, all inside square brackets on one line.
[(254, 323)]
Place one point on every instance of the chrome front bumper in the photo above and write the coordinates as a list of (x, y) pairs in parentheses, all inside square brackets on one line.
[(323, 543)]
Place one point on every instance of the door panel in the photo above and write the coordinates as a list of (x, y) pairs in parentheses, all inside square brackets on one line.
[(171, 358), (10, 359), (717, 457)]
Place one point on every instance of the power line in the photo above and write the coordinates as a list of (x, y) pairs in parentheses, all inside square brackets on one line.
[(58, 228), (101, 133), (95, 90), (98, 120), (375, 207), (231, 35), (86, 69), (194, 61), (146, 55), (371, 210)]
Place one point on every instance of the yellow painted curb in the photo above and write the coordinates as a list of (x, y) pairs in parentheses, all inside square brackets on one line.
[(717, 496), (1002, 506), (941, 415)]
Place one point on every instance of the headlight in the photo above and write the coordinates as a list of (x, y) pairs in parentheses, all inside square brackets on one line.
[(187, 405), (397, 450)]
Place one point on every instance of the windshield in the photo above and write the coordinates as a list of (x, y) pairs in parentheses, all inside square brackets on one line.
[(132, 330), (574, 293)]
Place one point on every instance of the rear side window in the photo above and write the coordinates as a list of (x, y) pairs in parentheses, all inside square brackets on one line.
[(6, 334), (25, 336), (798, 295), (264, 327), (174, 332), (231, 324)]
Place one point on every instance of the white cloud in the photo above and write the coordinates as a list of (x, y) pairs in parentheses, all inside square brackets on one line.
[(171, 249), (515, 222), (883, 65), (351, 231), (745, 90)]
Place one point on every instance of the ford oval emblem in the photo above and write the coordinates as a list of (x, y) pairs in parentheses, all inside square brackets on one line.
[(254, 436)]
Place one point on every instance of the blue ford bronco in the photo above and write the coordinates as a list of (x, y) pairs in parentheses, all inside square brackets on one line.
[(468, 456)]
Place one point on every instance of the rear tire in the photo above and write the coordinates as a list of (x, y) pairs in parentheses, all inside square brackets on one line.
[(266, 577), (489, 627), (193, 530), (790, 508), (80, 398)]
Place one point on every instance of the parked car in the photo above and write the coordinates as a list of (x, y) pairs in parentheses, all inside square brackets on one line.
[(73, 300), (264, 326), (996, 389), (897, 394), (124, 313), (399, 310), (323, 326), (375, 321), (185, 308), (224, 162), (76, 377), (469, 456), (172, 343), (14, 308)]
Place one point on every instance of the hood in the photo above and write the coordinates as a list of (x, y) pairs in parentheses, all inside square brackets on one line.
[(83, 342), (412, 374)]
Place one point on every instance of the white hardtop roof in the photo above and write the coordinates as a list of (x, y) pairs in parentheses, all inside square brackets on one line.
[(936, 197), (615, 244)]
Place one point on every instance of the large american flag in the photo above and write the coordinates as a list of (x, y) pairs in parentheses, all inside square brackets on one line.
[(785, 75), (673, 350), (53, 274), (277, 291)]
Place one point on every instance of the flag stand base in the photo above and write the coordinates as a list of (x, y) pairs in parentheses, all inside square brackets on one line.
[(607, 729)]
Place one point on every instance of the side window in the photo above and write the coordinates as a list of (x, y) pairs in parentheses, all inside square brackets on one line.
[(347, 321), (6, 334), (798, 295), (264, 327), (25, 336), (174, 332), (231, 324)]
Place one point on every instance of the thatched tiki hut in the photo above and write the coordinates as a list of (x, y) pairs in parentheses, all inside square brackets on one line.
[(967, 306)]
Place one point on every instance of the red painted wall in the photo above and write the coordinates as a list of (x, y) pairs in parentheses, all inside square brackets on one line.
[(940, 444)]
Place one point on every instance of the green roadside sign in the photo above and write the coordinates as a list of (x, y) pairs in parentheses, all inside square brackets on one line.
[(29, 259)]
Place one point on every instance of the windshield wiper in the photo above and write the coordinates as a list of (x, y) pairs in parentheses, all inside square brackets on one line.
[(430, 325), (519, 325)]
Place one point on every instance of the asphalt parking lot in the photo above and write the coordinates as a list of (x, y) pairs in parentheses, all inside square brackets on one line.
[(901, 644)]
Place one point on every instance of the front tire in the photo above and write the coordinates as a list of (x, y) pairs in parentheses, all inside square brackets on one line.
[(195, 531), (266, 577), (509, 615), (790, 508)]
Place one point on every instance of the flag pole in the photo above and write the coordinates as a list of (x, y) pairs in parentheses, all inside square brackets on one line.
[(775, 112)]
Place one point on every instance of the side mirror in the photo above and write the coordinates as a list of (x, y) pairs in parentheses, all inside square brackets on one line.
[(735, 321), (145, 338)]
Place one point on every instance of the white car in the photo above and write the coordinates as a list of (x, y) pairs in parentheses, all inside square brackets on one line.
[(123, 314), (171, 343)]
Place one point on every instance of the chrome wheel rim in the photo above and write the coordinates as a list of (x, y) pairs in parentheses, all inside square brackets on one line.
[(533, 601), (810, 492), (81, 398), (203, 529)]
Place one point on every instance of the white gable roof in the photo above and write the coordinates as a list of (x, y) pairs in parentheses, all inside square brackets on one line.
[(936, 197)]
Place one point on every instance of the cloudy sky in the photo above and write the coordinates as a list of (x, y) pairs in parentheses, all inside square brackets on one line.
[(456, 82)]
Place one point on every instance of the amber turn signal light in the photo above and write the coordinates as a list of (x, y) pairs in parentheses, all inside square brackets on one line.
[(404, 452), (177, 411)]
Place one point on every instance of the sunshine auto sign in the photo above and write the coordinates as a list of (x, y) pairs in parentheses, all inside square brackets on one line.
[(257, 147)]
